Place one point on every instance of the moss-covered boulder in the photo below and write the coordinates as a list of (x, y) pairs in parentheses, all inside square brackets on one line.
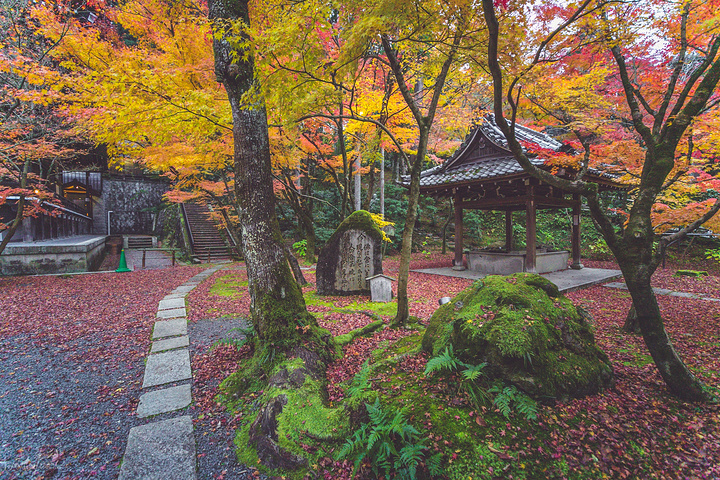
[(351, 255), (528, 333)]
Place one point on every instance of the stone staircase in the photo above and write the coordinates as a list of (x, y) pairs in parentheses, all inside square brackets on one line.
[(139, 242), (207, 243)]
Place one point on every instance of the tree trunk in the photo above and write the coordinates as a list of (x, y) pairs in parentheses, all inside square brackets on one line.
[(451, 215), (633, 253), (370, 187), (311, 245), (295, 267), (631, 321), (15, 224), (277, 306), (403, 309), (20, 209)]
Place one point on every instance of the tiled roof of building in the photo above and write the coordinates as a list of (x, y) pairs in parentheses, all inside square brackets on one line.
[(494, 167), (475, 161)]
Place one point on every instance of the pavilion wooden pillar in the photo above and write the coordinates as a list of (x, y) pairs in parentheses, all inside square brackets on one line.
[(458, 260), (576, 265), (508, 230), (530, 248)]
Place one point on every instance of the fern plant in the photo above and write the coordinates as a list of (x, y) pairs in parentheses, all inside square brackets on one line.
[(360, 382), (445, 361), (510, 397), (470, 374), (391, 445)]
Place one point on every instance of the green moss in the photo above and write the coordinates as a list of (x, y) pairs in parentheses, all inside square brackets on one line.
[(283, 322), (691, 273), (228, 286), (521, 323), (403, 347), (359, 220), (306, 417), (246, 455), (640, 360), (248, 377), (305, 420), (483, 463), (346, 338), (312, 298)]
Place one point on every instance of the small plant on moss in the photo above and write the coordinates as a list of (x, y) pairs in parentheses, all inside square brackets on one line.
[(300, 247), (391, 445), (713, 254), (510, 397), (470, 374), (425, 248)]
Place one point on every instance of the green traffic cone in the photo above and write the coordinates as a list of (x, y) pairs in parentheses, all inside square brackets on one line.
[(123, 263)]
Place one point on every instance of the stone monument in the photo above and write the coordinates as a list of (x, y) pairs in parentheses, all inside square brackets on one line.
[(351, 256)]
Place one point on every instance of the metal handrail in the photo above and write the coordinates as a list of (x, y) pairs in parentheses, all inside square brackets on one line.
[(187, 224)]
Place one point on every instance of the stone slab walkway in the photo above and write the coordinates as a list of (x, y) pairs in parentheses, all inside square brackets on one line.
[(160, 451), (165, 449), (665, 291), (163, 401)]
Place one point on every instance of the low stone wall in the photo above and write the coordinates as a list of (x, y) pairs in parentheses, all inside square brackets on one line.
[(499, 263), (70, 255)]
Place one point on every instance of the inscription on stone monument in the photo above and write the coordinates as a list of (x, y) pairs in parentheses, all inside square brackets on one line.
[(352, 254), (355, 263)]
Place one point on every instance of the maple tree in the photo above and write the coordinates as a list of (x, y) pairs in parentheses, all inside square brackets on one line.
[(138, 78), (35, 138), (386, 70), (662, 100)]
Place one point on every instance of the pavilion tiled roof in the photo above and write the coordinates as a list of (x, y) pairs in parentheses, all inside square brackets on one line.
[(483, 169), (462, 167)]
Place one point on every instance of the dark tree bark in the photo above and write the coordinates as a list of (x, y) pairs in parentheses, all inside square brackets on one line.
[(370, 188), (424, 123), (633, 245), (277, 306), (20, 210), (451, 215), (295, 267), (631, 321), (301, 203)]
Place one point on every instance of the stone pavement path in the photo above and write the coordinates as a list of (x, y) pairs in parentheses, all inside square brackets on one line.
[(165, 449), (665, 291)]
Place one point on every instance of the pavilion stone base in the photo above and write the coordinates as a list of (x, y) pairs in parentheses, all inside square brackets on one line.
[(500, 263), (30, 259)]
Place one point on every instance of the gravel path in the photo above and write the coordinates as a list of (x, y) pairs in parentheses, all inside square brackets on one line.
[(72, 352), (64, 415)]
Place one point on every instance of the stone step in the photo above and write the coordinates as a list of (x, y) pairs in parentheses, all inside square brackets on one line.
[(170, 328), (167, 367), (165, 400), (160, 451), (208, 244)]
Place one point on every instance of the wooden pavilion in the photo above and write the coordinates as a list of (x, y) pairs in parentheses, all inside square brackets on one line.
[(482, 174)]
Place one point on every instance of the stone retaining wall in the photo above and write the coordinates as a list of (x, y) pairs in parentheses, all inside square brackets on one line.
[(33, 259)]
